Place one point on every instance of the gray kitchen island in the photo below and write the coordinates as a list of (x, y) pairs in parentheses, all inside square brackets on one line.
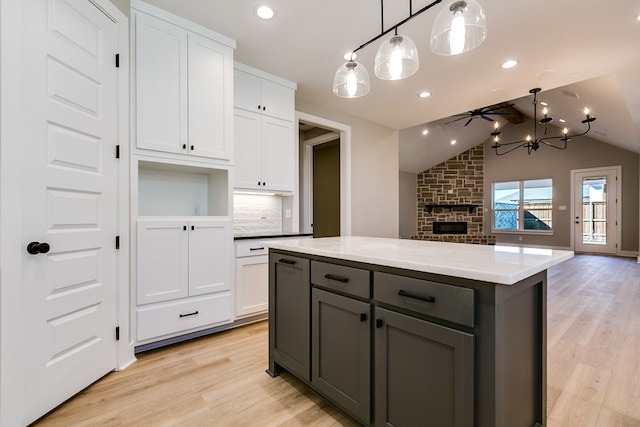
[(413, 333)]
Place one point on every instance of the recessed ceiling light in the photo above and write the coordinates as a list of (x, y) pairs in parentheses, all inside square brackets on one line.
[(264, 12), (544, 103), (638, 18), (453, 142), (509, 63), (424, 94), (425, 132), (562, 121)]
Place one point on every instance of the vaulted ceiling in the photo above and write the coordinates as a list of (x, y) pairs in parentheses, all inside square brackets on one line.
[(587, 44)]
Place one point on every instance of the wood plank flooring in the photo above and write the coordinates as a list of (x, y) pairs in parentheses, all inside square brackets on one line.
[(593, 368)]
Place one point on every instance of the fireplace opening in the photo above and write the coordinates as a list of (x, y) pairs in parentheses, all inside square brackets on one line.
[(449, 227)]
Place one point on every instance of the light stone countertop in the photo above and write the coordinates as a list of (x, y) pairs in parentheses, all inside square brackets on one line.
[(504, 265)]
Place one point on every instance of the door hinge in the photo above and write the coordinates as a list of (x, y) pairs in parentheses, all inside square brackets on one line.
[(118, 151), (117, 333), (117, 242), (117, 60)]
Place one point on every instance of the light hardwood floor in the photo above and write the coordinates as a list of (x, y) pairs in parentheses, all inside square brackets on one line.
[(220, 380)]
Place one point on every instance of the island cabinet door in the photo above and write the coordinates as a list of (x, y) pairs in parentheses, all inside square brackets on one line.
[(341, 348), (423, 373), (289, 315)]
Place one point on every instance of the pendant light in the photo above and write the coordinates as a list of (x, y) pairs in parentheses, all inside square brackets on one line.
[(351, 80), (459, 28), (397, 58)]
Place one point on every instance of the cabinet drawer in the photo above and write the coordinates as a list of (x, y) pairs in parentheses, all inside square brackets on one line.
[(353, 281), (447, 302), (184, 315), (250, 248)]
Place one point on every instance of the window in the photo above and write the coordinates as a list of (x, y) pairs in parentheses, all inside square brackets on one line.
[(523, 205)]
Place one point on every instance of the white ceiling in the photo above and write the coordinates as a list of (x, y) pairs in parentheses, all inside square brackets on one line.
[(557, 43)]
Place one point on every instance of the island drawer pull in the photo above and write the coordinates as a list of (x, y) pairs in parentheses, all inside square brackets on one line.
[(336, 278), (189, 314), (404, 293), (287, 261), (257, 249)]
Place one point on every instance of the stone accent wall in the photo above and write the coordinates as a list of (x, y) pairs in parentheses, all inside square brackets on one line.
[(458, 181)]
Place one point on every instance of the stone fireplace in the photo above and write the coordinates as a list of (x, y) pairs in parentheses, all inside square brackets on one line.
[(450, 200)]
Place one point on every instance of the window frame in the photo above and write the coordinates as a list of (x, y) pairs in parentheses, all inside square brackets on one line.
[(522, 208)]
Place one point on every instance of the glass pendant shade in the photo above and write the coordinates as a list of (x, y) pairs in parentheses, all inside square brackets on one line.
[(397, 58), (458, 28), (351, 80)]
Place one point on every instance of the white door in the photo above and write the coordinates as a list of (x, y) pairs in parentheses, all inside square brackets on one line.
[(277, 155), (69, 183), (209, 69), (246, 135), (162, 260), (210, 256), (161, 85), (595, 210)]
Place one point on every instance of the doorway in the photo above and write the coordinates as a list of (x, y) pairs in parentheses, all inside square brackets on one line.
[(326, 189), (325, 176), (596, 210)]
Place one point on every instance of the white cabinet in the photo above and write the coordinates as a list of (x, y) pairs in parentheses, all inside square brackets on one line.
[(183, 276), (182, 257), (252, 278), (264, 152), (183, 90), (253, 93), (264, 131), (181, 176)]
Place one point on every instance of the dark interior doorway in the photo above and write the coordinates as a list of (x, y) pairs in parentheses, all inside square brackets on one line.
[(326, 189)]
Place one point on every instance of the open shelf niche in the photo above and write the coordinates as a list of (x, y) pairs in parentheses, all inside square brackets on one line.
[(179, 190)]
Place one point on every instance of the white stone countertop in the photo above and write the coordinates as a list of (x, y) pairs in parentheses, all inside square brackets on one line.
[(504, 265)]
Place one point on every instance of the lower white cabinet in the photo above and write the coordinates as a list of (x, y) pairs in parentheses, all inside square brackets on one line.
[(252, 278), (179, 259)]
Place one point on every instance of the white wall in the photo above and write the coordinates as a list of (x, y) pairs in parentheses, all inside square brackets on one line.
[(374, 172)]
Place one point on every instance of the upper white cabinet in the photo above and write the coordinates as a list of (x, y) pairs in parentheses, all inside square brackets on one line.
[(183, 90), (264, 131), (253, 93)]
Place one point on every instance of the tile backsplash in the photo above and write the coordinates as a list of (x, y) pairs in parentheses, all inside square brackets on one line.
[(257, 214)]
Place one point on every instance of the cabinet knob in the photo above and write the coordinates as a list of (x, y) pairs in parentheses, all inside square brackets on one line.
[(184, 146), (264, 108), (35, 248), (192, 148), (379, 323), (259, 107), (363, 317)]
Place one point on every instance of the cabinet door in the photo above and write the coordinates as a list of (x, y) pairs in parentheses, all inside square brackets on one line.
[(252, 285), (277, 100), (289, 315), (210, 256), (247, 149), (162, 260), (423, 373), (277, 154), (209, 98), (247, 91), (341, 343), (161, 85)]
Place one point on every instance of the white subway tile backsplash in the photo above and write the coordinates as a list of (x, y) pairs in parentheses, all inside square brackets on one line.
[(257, 214)]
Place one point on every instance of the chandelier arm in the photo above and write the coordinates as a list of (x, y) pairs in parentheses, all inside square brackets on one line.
[(395, 27), (567, 137), (549, 144), (522, 141), (497, 147)]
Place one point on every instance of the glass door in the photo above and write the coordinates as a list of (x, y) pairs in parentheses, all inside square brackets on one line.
[(595, 210)]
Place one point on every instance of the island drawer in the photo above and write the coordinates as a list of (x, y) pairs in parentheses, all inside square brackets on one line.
[(447, 302), (352, 281)]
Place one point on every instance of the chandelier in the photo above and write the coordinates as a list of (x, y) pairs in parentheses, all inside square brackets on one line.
[(533, 143), (458, 28)]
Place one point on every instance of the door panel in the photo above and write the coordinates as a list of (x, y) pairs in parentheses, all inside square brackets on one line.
[(71, 179), (595, 210), (210, 256)]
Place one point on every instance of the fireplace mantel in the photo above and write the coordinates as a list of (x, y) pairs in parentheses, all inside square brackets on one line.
[(430, 206)]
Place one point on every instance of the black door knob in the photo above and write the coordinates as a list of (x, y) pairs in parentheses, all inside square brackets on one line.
[(35, 248)]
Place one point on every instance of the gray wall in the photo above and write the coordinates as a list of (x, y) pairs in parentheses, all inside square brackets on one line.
[(548, 162), (408, 205)]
